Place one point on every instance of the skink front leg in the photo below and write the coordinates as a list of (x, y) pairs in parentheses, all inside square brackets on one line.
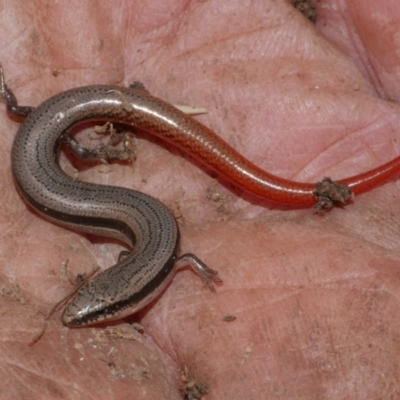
[(8, 97), (206, 274)]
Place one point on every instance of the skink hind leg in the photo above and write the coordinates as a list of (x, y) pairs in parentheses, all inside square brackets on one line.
[(206, 274), (8, 97), (106, 151)]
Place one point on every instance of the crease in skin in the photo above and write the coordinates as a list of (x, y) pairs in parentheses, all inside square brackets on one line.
[(140, 221), (328, 148)]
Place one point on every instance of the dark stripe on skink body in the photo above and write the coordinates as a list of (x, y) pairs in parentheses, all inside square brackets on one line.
[(85, 223)]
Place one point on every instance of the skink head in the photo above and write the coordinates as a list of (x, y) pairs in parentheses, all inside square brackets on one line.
[(86, 308), (105, 298)]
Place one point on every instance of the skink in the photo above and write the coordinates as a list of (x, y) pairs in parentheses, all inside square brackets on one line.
[(140, 221)]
